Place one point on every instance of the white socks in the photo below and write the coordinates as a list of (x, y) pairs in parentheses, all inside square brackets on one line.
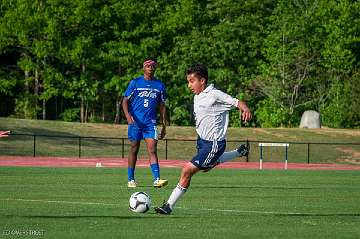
[(176, 195), (228, 156)]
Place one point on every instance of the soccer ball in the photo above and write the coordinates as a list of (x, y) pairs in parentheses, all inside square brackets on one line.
[(139, 202)]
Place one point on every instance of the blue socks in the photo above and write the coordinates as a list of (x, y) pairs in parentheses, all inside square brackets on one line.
[(131, 174), (155, 171)]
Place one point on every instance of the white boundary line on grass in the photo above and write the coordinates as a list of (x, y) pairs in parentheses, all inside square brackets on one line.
[(240, 211), (114, 204), (56, 201)]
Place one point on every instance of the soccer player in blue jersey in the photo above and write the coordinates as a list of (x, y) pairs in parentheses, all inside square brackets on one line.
[(141, 100), (211, 107)]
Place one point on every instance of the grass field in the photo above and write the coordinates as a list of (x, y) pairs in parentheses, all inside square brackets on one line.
[(224, 203)]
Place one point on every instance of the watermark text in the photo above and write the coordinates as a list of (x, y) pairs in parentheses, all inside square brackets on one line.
[(23, 232)]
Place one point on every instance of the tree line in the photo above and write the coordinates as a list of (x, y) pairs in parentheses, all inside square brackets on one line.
[(73, 59)]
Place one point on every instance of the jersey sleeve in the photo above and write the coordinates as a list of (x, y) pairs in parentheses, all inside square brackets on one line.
[(225, 99), (130, 89)]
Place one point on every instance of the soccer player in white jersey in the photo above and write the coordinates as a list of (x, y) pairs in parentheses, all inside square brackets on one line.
[(211, 107)]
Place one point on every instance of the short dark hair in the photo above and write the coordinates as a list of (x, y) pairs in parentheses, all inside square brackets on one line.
[(150, 58), (199, 70)]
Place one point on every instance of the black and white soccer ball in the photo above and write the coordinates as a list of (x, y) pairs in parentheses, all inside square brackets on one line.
[(139, 202)]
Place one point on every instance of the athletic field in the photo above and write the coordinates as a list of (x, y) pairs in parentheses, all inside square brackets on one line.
[(92, 202)]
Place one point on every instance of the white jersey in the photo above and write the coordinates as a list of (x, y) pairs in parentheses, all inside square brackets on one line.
[(211, 110)]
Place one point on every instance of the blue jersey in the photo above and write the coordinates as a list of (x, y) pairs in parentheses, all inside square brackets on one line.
[(144, 97)]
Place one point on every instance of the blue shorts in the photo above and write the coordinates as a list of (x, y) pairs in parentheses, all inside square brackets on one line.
[(208, 153), (137, 133)]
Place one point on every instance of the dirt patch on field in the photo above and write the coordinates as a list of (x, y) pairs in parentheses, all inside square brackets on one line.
[(276, 133), (352, 156), (337, 132)]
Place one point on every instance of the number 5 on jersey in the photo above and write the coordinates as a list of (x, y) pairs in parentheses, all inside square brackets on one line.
[(146, 102)]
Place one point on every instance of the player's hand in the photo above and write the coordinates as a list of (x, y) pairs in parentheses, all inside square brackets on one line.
[(4, 133), (162, 132), (246, 115), (130, 120)]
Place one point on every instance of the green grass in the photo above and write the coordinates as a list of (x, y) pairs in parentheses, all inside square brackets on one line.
[(68, 144), (224, 203)]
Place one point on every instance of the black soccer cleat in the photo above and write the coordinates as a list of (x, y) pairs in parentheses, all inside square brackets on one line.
[(164, 209), (243, 150)]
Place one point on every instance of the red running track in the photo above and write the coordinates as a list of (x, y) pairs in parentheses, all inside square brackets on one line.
[(122, 162)]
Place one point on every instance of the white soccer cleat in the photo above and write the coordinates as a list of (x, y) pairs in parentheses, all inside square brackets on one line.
[(132, 184)]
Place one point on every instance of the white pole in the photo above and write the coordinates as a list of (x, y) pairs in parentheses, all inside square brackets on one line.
[(261, 156), (286, 157)]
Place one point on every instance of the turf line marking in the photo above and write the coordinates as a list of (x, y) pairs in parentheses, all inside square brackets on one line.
[(272, 213), (56, 201), (236, 211), (184, 208), (114, 204)]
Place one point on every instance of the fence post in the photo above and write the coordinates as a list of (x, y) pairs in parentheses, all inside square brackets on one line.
[(165, 149), (308, 153), (79, 146), (34, 153), (247, 144), (122, 148)]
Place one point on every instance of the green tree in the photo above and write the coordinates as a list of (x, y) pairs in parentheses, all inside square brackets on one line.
[(31, 32), (341, 60), (292, 57)]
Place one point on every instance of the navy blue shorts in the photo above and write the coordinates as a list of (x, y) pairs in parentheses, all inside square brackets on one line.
[(208, 153), (137, 133)]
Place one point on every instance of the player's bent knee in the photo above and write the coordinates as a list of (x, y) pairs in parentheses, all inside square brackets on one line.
[(189, 169)]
